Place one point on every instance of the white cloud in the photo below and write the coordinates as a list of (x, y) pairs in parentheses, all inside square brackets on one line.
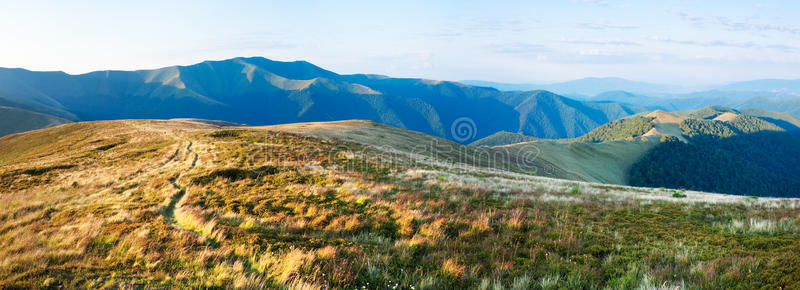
[(616, 41), (722, 43), (748, 26), (604, 26), (592, 2), (687, 17), (596, 52), (736, 25), (517, 48)]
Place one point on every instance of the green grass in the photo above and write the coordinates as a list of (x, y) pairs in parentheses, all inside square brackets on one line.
[(606, 162)]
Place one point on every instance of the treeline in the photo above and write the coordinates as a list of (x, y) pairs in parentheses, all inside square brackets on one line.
[(619, 129), (747, 156), (742, 124), (503, 138)]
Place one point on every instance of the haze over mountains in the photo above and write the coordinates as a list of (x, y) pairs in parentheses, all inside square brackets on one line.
[(767, 94), (591, 86)]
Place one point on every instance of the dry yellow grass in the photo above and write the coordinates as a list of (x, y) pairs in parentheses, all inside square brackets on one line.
[(726, 117), (663, 117)]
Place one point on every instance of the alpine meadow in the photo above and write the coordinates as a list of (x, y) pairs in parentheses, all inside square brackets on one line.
[(400, 145)]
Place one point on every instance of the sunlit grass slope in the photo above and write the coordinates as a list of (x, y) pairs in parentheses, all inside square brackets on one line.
[(185, 203)]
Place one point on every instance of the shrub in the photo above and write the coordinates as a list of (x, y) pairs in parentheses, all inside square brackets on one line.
[(43, 170), (106, 147), (233, 174), (225, 133)]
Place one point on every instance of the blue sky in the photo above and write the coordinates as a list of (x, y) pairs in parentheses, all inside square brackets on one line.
[(677, 42)]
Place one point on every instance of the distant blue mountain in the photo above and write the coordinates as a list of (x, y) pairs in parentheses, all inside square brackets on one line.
[(766, 85), (587, 87), (771, 101)]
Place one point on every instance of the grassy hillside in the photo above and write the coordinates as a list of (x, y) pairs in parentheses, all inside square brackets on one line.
[(15, 120), (189, 204), (606, 162)]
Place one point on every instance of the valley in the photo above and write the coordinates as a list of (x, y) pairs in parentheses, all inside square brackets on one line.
[(713, 149)]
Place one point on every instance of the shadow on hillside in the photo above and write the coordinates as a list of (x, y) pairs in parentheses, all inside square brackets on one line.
[(783, 124), (758, 164)]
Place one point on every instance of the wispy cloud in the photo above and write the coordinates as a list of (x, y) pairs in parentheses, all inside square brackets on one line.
[(602, 56), (722, 43), (715, 59), (736, 25), (511, 24), (687, 17), (782, 47), (441, 34), (715, 43), (618, 42), (749, 26), (592, 2), (604, 26), (517, 48)]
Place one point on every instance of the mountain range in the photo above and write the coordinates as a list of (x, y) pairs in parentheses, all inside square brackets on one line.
[(259, 91)]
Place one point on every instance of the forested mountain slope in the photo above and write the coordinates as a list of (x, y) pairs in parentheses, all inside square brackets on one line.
[(715, 149)]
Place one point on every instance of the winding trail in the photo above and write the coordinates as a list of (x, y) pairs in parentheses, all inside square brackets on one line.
[(178, 198)]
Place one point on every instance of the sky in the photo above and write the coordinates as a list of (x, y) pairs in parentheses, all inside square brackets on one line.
[(674, 42)]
